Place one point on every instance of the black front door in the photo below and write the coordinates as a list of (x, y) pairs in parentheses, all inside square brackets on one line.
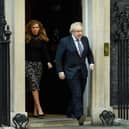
[(56, 15)]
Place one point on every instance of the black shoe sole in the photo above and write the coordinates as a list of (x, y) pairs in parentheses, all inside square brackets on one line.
[(81, 120)]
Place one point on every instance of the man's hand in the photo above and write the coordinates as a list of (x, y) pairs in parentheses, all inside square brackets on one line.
[(61, 75), (92, 67)]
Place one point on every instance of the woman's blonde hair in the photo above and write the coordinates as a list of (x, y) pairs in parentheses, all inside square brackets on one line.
[(42, 32)]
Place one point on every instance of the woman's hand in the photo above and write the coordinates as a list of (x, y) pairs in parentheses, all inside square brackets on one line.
[(49, 65)]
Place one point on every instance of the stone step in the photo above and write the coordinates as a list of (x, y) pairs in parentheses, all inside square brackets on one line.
[(54, 121)]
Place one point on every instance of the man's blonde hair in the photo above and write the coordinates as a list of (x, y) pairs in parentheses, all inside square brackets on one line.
[(74, 26)]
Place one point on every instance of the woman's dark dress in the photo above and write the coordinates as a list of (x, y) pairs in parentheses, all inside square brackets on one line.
[(36, 53)]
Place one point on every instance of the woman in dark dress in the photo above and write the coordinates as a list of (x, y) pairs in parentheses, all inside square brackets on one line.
[(36, 53)]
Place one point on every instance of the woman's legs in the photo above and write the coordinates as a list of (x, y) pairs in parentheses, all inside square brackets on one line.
[(35, 111), (37, 107), (33, 73)]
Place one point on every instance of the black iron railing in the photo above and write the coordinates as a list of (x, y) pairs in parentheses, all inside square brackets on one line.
[(123, 78), (120, 56), (4, 69)]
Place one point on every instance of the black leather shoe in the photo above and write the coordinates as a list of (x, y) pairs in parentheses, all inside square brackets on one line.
[(70, 116), (81, 120)]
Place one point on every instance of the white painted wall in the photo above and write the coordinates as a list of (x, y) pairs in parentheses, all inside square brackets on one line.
[(87, 94), (101, 78), (15, 16), (96, 19)]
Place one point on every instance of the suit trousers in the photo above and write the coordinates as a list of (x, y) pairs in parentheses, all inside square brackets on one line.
[(76, 88)]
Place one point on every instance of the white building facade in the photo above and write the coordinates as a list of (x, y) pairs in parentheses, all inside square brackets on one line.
[(96, 20)]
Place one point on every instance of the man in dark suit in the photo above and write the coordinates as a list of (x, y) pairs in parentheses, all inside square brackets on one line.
[(71, 55)]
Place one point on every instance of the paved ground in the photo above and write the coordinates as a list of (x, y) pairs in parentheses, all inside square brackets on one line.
[(77, 127), (61, 122), (86, 127)]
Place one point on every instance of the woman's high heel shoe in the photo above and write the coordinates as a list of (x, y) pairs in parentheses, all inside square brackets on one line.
[(41, 116)]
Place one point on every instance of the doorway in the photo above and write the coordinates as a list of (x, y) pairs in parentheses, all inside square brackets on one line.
[(56, 16)]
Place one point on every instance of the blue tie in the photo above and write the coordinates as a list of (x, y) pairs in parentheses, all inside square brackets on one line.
[(79, 47)]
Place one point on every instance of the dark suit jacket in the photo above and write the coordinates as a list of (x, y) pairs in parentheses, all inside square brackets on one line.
[(69, 61)]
